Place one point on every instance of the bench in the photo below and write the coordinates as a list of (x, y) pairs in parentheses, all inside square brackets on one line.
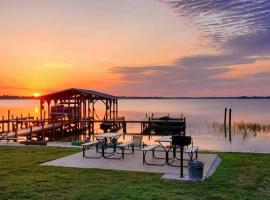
[(150, 147), (87, 145), (122, 146), (191, 150), (147, 149)]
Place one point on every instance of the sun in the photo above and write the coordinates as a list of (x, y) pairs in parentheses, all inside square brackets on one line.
[(36, 94)]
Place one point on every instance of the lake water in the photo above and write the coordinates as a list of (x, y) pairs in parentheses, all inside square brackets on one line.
[(250, 118)]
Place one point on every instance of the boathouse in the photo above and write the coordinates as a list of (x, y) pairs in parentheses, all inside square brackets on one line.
[(77, 104)]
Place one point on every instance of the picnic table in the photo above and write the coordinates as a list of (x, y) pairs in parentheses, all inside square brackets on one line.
[(103, 140), (166, 143)]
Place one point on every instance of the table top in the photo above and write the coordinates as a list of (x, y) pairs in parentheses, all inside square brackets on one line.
[(108, 135), (164, 139)]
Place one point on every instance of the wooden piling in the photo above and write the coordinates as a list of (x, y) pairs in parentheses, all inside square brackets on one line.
[(43, 132), (31, 134), (8, 125), (225, 116), (230, 124), (16, 129), (53, 132), (3, 124), (225, 122)]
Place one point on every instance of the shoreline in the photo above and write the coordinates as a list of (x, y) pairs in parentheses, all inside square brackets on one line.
[(138, 97)]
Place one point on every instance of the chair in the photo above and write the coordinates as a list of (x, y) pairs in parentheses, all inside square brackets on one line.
[(138, 141)]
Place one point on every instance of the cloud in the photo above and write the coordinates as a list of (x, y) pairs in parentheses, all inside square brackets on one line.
[(240, 31), (12, 86), (179, 80), (225, 20)]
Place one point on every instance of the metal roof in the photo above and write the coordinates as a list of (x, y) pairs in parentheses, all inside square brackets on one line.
[(73, 92)]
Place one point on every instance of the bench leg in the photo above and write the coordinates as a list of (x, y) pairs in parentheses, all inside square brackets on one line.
[(97, 147), (144, 152), (146, 163), (123, 152), (132, 146), (83, 152)]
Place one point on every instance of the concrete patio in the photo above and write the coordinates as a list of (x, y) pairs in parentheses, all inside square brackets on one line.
[(135, 163)]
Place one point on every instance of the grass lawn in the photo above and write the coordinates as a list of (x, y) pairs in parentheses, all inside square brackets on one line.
[(240, 176)]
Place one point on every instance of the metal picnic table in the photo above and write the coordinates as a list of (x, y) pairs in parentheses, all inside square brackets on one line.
[(103, 140), (166, 143)]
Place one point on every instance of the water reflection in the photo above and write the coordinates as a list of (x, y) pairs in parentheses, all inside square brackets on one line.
[(250, 120), (36, 110)]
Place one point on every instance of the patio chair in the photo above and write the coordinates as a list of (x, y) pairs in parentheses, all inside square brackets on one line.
[(138, 141)]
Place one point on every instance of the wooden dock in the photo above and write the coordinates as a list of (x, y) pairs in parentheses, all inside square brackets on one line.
[(72, 113), (40, 129)]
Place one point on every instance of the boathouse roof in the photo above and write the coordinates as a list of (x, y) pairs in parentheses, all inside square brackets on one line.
[(78, 93)]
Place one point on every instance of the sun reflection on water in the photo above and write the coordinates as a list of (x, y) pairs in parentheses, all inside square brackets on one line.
[(36, 110)]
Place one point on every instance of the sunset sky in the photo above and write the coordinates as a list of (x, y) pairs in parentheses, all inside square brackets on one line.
[(136, 47)]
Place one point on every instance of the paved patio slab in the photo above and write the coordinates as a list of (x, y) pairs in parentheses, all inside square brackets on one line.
[(131, 163)]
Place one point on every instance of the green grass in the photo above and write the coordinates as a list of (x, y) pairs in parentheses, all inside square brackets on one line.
[(240, 176)]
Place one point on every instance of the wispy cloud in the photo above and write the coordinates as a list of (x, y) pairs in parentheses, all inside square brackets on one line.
[(240, 31), (225, 20)]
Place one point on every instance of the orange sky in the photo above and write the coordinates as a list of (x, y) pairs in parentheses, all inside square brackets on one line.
[(48, 45)]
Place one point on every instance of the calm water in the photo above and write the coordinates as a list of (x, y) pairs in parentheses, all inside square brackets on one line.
[(251, 119)]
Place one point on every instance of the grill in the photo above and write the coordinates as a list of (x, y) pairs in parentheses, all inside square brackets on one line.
[(179, 140)]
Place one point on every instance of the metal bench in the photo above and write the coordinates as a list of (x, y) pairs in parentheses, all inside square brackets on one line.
[(123, 146), (150, 148)]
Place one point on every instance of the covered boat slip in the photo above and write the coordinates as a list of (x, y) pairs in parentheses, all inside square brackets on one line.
[(73, 111), (77, 104)]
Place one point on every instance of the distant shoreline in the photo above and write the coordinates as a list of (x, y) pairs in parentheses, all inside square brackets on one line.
[(5, 97), (241, 97)]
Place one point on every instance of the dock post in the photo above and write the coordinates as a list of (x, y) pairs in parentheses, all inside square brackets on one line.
[(16, 129), (93, 128), (124, 127), (28, 123), (230, 124), (225, 122), (43, 132), (3, 124), (22, 121), (44, 115), (53, 132), (8, 125), (31, 134)]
